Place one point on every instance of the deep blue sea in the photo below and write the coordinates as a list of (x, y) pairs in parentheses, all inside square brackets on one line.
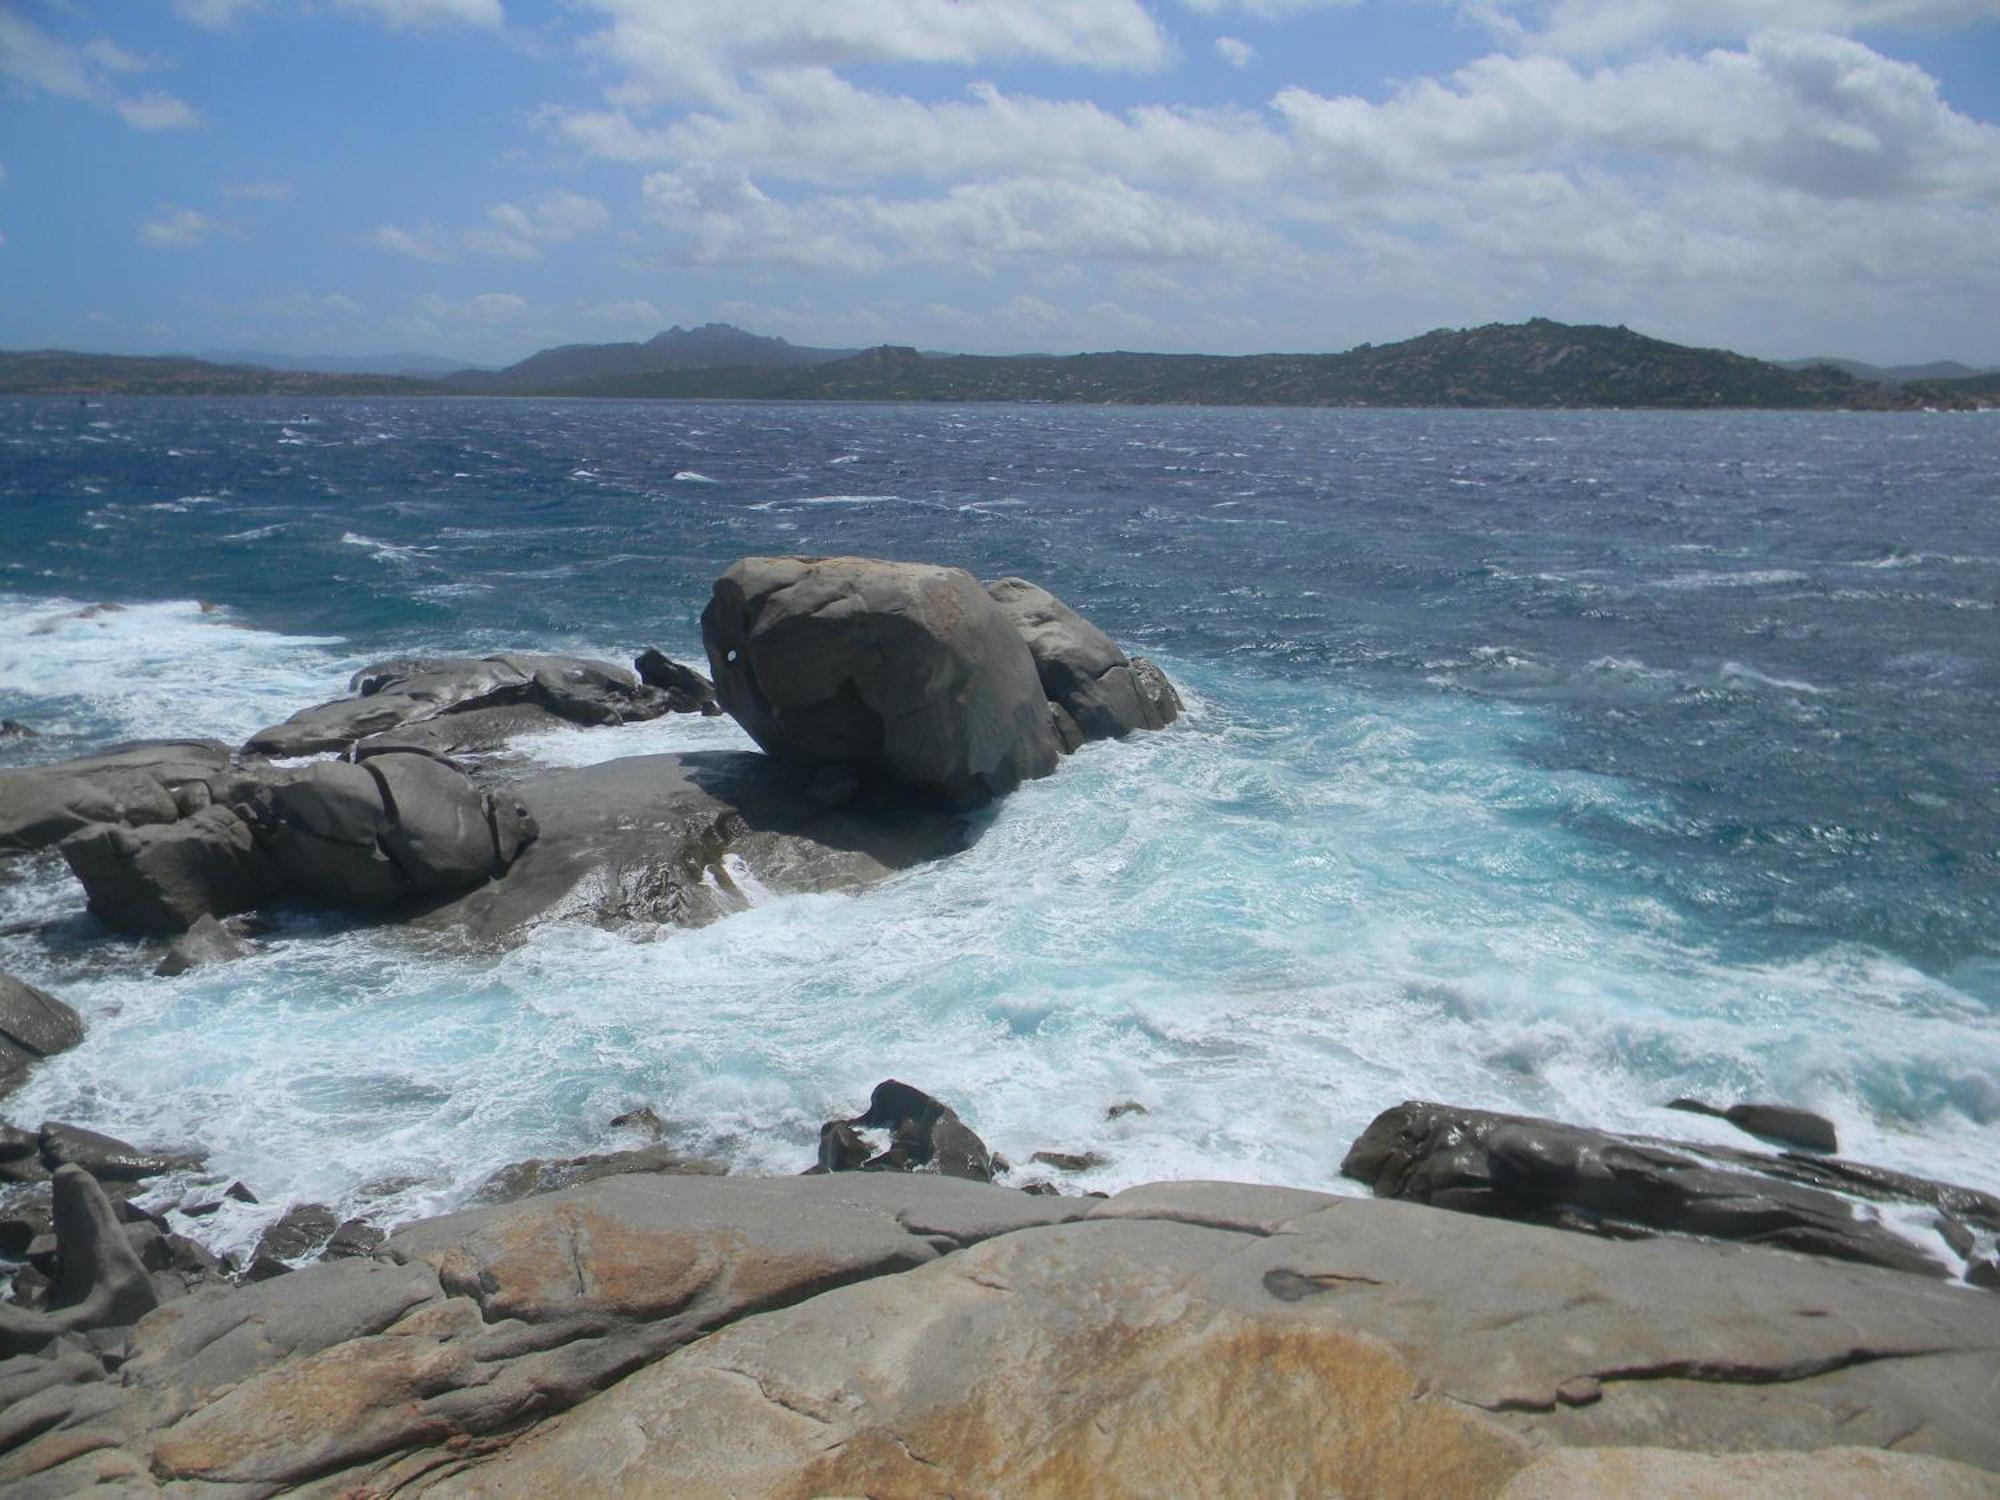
[(1561, 762)]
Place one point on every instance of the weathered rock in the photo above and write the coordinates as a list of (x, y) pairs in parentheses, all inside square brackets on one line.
[(688, 692), (354, 1237), (1544, 1172), (1263, 1342), (1097, 688), (130, 785), (99, 1281), (161, 880), (905, 670), (1068, 1161), (663, 838), (925, 1134), (396, 695), (525, 1179), (107, 1159), (33, 1025), (203, 945)]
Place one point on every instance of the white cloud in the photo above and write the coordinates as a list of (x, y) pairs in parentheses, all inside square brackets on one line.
[(175, 228), (1266, 10), (514, 231), (679, 49), (421, 15), (258, 192), (38, 62), (158, 111), (1603, 26), (636, 316), (1234, 51)]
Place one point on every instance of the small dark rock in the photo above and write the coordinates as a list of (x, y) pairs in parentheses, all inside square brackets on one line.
[(207, 942), (1695, 1107), (841, 1148), (266, 1268), (22, 1224), (299, 1232), (1041, 1189), (923, 1134), (14, 729), (1984, 1272), (642, 1118), (1956, 1234), (687, 690), (1069, 1161), (1125, 1107), (1784, 1124), (356, 1238)]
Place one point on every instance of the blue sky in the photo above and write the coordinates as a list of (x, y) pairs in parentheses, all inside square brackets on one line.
[(481, 178)]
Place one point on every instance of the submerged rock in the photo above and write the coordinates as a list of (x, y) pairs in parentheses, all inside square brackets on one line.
[(1095, 690), (203, 945), (904, 670), (1545, 1172), (33, 1025), (397, 695)]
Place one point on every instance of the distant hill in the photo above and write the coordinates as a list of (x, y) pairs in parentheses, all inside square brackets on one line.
[(1942, 369), (63, 373), (420, 365), (1534, 364), (1538, 364), (713, 346)]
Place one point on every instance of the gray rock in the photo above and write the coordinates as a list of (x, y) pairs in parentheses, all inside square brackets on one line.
[(686, 689), (301, 1231), (1785, 1124), (1068, 1161), (354, 1238), (33, 1025), (655, 838), (129, 785), (395, 696), (106, 1158), (99, 1281), (905, 670), (160, 881), (525, 1179), (1098, 690), (440, 833), (203, 945), (1544, 1172)]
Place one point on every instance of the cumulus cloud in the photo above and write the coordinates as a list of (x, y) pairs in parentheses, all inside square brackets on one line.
[(1603, 26), (682, 49), (1234, 51), (176, 228), (40, 63), (513, 231)]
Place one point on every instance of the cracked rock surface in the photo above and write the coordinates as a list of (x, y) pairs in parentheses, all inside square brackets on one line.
[(897, 1334)]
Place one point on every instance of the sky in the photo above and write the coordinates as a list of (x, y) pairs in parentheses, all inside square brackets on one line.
[(478, 179)]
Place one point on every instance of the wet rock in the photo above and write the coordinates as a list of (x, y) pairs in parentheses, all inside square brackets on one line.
[(1125, 1107), (1069, 1161), (525, 1179), (688, 692), (1097, 688), (1984, 1271), (33, 1025), (106, 1158), (399, 695), (129, 785), (1544, 1172), (205, 1201), (203, 945), (354, 1238), (160, 881), (904, 670), (643, 1118), (1784, 1124), (14, 729), (842, 1148), (23, 1221), (925, 1134), (299, 1232)]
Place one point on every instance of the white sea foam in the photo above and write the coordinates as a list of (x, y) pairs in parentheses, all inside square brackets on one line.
[(385, 551), (692, 476)]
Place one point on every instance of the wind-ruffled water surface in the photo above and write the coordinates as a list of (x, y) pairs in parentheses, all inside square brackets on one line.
[(1560, 761)]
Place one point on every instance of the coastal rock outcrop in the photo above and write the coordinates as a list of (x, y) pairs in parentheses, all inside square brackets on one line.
[(1095, 691), (33, 1025), (905, 670), (398, 699), (686, 689), (925, 1135), (129, 786), (1572, 1177)]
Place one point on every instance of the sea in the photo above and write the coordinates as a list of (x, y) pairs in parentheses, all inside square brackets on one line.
[(1556, 762)]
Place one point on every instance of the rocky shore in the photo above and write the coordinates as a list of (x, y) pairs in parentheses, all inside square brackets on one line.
[(1523, 1308)]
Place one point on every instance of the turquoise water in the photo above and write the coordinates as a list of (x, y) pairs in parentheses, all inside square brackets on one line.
[(1559, 761)]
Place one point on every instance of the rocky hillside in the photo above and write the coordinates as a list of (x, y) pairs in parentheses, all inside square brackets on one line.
[(713, 346)]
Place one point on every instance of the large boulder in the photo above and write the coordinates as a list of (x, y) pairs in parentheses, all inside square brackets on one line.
[(907, 670), (396, 696), (160, 880), (1573, 1177), (1095, 691), (149, 782), (33, 1025)]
